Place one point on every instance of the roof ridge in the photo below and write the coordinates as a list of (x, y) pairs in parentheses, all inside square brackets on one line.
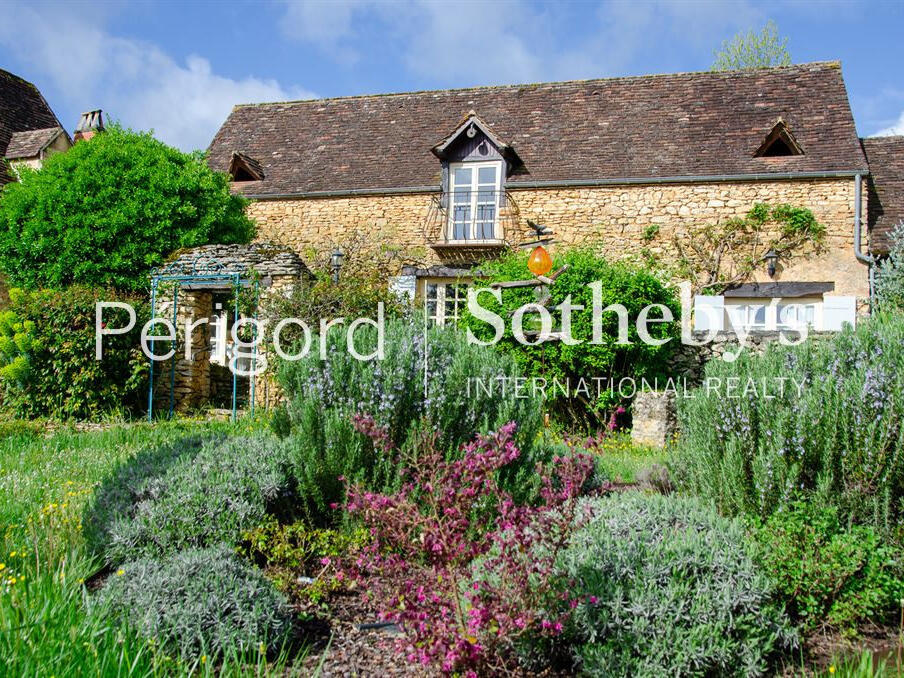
[(483, 88)]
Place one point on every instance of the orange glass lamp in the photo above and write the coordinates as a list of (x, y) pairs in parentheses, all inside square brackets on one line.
[(539, 262)]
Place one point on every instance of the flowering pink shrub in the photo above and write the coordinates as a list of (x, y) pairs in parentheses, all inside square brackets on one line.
[(420, 568)]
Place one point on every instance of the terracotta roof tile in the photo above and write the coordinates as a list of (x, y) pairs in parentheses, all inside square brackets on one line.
[(22, 108), (886, 188), (680, 125), (31, 143)]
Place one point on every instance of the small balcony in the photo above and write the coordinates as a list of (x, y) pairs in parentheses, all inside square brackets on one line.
[(470, 226)]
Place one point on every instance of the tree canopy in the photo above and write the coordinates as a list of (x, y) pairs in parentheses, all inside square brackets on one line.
[(111, 208), (753, 50)]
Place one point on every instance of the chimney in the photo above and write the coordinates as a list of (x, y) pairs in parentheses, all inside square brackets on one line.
[(88, 125)]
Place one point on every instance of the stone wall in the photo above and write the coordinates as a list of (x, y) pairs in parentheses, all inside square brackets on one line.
[(616, 219)]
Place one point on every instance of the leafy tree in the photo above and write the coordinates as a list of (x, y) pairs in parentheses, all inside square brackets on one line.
[(753, 50), (109, 209)]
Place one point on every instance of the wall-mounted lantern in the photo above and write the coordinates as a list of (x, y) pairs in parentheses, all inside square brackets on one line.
[(771, 259), (336, 263)]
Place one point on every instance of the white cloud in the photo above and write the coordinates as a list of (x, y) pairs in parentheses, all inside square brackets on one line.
[(511, 41), (133, 81), (896, 128)]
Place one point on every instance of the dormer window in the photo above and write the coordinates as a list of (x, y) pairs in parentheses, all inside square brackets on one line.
[(779, 143), (245, 168), (475, 164)]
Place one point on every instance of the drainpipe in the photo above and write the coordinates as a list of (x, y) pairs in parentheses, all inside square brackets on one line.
[(863, 258)]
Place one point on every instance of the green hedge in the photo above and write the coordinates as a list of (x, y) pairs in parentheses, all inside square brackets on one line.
[(47, 355), (620, 284)]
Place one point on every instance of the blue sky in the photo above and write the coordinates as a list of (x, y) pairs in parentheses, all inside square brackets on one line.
[(180, 67)]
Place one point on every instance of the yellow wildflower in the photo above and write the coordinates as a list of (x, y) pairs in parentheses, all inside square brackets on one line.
[(119, 573), (12, 554), (2, 567), (203, 658), (832, 669)]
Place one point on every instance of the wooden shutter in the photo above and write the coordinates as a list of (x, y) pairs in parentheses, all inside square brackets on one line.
[(836, 311), (709, 313)]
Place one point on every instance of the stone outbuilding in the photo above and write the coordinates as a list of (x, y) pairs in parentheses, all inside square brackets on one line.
[(206, 283)]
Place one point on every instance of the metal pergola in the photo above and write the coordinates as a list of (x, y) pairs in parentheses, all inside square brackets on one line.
[(201, 273)]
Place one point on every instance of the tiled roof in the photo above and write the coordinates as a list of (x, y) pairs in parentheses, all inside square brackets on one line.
[(31, 143), (660, 126), (22, 108), (886, 188)]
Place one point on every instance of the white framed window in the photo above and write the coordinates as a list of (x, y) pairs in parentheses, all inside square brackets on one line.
[(792, 315), (750, 315), (444, 300), (474, 189), (774, 314)]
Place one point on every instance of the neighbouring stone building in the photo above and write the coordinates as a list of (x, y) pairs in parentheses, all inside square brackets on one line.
[(29, 129), (631, 166)]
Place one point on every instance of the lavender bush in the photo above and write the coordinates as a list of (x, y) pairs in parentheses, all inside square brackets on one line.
[(837, 439)]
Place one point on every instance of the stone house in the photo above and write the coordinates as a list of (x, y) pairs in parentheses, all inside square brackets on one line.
[(29, 129), (455, 176)]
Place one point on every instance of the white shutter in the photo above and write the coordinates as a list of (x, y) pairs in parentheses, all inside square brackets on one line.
[(836, 311), (709, 313), (403, 286)]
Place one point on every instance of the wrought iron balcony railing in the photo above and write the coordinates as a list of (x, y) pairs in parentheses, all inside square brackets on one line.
[(471, 219)]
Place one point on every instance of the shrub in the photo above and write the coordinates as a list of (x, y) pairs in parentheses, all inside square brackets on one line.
[(126, 486), (418, 570), (619, 284), (201, 499), (289, 549), (831, 574), (104, 213), (323, 396), (890, 281), (47, 355), (667, 587), (199, 602), (839, 437)]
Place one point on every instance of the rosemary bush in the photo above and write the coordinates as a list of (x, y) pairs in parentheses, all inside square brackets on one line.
[(324, 396), (839, 440)]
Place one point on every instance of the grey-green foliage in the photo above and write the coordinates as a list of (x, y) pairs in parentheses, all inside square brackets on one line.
[(753, 50), (324, 395), (890, 281), (837, 436), (198, 602), (203, 498), (669, 588), (127, 485)]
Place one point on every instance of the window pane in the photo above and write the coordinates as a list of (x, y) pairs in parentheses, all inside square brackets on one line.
[(462, 176), (462, 197), (431, 290), (486, 197), (759, 315), (486, 175)]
